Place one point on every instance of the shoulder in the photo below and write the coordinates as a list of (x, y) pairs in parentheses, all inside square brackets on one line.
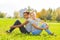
[(38, 19), (29, 19)]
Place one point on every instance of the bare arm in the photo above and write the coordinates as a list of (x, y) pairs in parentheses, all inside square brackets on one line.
[(20, 25), (35, 26)]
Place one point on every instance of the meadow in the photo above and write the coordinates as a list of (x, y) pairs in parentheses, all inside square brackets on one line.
[(5, 24)]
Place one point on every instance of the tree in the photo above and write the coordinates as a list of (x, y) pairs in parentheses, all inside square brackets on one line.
[(29, 9), (49, 14), (38, 14), (58, 18), (16, 14), (43, 14), (2, 14), (58, 14), (54, 16)]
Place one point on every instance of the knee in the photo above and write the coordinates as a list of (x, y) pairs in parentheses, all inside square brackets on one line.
[(17, 21)]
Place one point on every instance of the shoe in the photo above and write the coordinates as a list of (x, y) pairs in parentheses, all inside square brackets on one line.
[(8, 31), (53, 34)]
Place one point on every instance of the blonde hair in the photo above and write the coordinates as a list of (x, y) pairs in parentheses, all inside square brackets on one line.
[(32, 13)]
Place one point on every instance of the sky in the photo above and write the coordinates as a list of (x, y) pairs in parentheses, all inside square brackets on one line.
[(9, 6)]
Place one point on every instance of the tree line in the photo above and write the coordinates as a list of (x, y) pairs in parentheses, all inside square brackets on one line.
[(50, 14)]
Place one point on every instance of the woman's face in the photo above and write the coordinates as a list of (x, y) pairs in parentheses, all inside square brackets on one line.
[(33, 15)]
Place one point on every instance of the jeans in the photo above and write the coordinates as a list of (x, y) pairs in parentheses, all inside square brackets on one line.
[(36, 32)]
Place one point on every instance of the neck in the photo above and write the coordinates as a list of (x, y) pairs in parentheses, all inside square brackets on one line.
[(28, 17), (34, 18)]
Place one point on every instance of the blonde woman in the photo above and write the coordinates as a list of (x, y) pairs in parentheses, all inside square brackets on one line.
[(41, 23)]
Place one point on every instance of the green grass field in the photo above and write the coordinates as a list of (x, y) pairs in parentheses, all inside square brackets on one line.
[(17, 35)]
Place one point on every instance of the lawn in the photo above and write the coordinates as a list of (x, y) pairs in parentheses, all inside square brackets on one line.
[(17, 35)]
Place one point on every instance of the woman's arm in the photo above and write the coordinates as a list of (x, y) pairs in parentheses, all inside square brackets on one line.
[(35, 26)]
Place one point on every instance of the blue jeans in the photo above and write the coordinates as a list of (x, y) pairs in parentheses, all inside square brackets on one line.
[(36, 32)]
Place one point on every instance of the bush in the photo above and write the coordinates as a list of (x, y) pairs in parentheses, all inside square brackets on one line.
[(2, 15), (58, 18)]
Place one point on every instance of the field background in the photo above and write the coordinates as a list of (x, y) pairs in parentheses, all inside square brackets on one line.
[(17, 35)]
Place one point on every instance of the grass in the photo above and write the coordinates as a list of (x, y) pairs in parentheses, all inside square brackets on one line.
[(17, 35)]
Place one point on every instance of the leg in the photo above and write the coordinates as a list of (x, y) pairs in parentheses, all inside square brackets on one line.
[(48, 31), (16, 23), (36, 32), (22, 29)]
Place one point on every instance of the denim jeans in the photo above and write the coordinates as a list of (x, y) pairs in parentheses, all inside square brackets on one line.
[(36, 32)]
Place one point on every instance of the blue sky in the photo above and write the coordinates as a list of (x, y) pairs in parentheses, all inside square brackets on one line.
[(9, 6)]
